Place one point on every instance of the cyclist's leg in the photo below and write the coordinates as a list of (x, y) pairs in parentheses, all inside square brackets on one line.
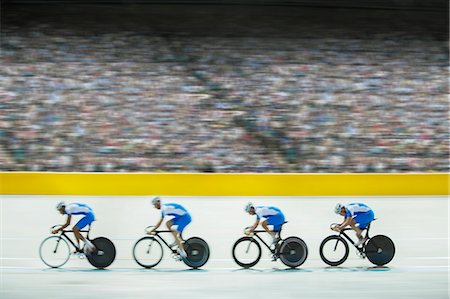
[(179, 225), (276, 222), (82, 223), (355, 226), (360, 222), (182, 223), (170, 225), (78, 236), (265, 224)]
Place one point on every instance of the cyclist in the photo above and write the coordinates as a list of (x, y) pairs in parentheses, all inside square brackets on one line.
[(357, 215), (77, 209), (176, 225), (273, 216)]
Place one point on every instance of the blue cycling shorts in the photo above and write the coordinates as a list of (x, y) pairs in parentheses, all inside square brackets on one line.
[(276, 221), (86, 220), (181, 222), (362, 220)]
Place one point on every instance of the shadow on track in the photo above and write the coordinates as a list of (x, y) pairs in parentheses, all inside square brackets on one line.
[(357, 269)]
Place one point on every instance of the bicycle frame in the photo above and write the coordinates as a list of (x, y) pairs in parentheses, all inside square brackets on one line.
[(63, 234), (274, 250), (262, 241), (342, 233), (156, 234)]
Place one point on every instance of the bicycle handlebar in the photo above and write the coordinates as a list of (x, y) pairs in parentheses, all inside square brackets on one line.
[(60, 225), (247, 233), (150, 227), (54, 227), (333, 225)]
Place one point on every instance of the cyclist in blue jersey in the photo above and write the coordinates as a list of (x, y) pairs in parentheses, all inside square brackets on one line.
[(176, 225), (88, 217), (357, 215), (273, 216)]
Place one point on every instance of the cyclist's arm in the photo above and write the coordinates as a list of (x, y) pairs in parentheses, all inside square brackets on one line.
[(345, 223), (69, 218), (158, 224), (255, 225)]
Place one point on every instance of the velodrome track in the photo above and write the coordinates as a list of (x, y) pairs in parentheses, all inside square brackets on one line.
[(419, 227)]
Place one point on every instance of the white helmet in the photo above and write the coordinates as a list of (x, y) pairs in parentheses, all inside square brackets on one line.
[(248, 207), (338, 208), (155, 200), (60, 205)]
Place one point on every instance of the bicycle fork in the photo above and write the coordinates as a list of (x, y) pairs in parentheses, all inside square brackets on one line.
[(57, 244)]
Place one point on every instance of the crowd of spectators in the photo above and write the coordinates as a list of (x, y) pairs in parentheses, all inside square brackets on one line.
[(131, 101)]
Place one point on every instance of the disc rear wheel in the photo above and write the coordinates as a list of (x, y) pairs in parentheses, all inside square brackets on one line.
[(197, 251), (104, 254), (293, 252), (380, 250)]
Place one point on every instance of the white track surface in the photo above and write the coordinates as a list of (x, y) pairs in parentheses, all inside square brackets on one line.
[(419, 227)]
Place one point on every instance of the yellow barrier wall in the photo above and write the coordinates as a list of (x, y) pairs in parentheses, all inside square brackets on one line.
[(201, 184)]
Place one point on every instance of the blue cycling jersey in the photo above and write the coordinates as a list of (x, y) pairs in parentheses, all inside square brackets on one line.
[(173, 209), (267, 212), (355, 208), (78, 209)]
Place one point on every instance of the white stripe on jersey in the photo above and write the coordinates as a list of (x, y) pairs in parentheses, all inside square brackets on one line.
[(356, 208), (73, 208), (263, 212), (167, 209)]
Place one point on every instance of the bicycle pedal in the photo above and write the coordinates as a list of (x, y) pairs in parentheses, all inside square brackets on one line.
[(177, 257), (80, 255)]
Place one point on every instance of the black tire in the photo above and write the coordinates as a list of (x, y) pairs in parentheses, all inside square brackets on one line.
[(246, 252), (379, 250), (104, 254), (293, 252), (148, 252), (334, 250), (54, 251), (197, 251)]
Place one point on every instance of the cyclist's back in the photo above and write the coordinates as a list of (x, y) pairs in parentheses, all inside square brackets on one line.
[(76, 208)]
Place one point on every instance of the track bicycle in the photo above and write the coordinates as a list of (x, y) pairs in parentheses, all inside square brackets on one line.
[(378, 249), (55, 250), (292, 251), (148, 251)]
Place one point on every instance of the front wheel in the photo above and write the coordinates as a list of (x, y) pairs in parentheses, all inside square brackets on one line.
[(379, 250), (293, 252), (197, 251), (54, 251), (246, 252), (334, 250), (148, 252), (104, 254)]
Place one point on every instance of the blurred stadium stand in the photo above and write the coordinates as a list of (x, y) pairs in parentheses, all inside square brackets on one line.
[(385, 4), (247, 88)]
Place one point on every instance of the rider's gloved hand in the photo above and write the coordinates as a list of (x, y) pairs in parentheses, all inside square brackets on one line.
[(150, 231), (336, 228), (248, 231)]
